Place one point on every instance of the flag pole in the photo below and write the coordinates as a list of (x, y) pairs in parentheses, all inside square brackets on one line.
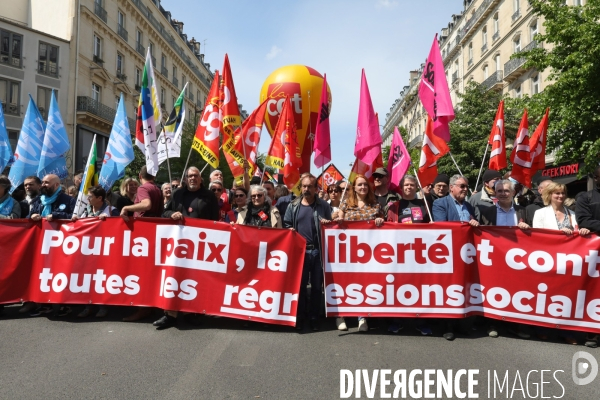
[(457, 167), (423, 194), (482, 162)]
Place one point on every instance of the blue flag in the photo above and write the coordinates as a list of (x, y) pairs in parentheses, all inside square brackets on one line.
[(119, 152), (6, 155), (29, 147), (55, 145)]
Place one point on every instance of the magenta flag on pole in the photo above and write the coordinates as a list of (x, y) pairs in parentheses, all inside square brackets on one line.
[(398, 162), (368, 137), (434, 93), (322, 146)]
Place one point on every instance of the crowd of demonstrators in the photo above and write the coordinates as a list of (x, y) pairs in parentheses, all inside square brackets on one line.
[(501, 202), (361, 205), (260, 210), (305, 214)]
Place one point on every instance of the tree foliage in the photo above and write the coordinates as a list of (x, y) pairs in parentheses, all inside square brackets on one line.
[(571, 50)]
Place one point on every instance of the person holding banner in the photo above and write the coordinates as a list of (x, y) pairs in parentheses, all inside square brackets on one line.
[(335, 197), (97, 207), (53, 202), (361, 205), (383, 196), (128, 191), (305, 214), (191, 200), (166, 192), (240, 197), (9, 207), (260, 211), (486, 197)]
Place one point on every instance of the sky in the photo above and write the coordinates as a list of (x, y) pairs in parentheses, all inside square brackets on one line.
[(387, 38)]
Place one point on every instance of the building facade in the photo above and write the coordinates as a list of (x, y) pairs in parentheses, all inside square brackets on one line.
[(477, 45), (31, 63), (102, 47)]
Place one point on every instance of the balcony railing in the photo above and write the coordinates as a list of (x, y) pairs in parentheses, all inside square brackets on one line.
[(493, 81), (138, 87), (516, 15), (10, 108), (191, 97), (94, 107), (100, 12), (471, 22), (98, 60), (175, 82), (513, 66), (164, 71), (121, 76), (140, 48), (413, 143), (496, 36), (454, 76), (122, 32), (484, 48)]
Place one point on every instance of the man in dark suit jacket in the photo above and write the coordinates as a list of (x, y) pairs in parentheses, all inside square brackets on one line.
[(454, 207), (505, 212)]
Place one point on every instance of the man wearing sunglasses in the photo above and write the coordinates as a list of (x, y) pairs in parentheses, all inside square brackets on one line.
[(382, 195), (189, 201)]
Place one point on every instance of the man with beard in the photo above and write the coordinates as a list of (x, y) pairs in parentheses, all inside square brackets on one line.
[(305, 215), (189, 201), (383, 196), (52, 204), (32, 185)]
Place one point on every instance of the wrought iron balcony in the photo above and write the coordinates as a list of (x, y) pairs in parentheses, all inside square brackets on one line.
[(98, 60), (494, 81), (100, 12), (415, 141), (121, 76), (97, 109), (496, 36), (10, 108), (191, 97), (484, 48), (514, 67), (516, 15), (122, 32), (164, 71), (140, 48), (176, 82)]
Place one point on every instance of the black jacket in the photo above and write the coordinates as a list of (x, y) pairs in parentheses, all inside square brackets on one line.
[(322, 210), (488, 215), (587, 210), (199, 204), (62, 208), (532, 208)]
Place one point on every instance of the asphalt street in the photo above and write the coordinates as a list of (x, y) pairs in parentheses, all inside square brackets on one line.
[(50, 358)]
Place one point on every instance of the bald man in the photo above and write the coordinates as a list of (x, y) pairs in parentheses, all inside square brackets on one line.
[(53, 203)]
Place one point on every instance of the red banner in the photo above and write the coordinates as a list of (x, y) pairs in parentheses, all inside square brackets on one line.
[(451, 270), (197, 266)]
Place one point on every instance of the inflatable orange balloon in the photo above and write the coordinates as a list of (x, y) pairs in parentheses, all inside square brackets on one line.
[(303, 85)]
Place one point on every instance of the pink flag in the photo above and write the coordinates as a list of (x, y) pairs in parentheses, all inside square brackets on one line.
[(398, 162), (368, 137), (434, 93), (322, 145)]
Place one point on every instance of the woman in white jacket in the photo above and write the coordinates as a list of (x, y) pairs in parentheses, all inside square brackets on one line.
[(557, 216)]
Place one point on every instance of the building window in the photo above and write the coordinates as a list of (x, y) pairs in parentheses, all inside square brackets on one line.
[(497, 61), (533, 29), (470, 53), (96, 92), (484, 36), (485, 71), (183, 83), (48, 59), (151, 47), (516, 5), (535, 84), (163, 61), (162, 96), (43, 100), (173, 101), (10, 93), (518, 92), (13, 138), (97, 48), (496, 24), (139, 43), (138, 77), (120, 64), (11, 45), (517, 44), (174, 71), (121, 19)]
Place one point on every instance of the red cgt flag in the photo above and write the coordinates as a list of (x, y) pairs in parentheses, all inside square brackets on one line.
[(498, 141), (206, 139), (521, 154), (284, 152), (330, 176), (538, 145), (230, 113), (434, 147)]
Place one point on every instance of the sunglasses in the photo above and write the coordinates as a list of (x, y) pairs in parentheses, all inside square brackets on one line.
[(240, 196), (377, 176), (256, 196), (216, 190), (462, 186), (334, 190)]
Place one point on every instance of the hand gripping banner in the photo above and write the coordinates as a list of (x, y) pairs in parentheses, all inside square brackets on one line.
[(199, 266), (451, 270)]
